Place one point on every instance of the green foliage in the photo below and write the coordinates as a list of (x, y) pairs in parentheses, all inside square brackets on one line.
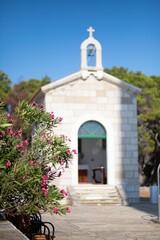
[(25, 90), (148, 119), (28, 167), (5, 85), (146, 143)]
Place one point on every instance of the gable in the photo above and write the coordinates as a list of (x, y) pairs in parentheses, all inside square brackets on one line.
[(89, 92), (84, 85)]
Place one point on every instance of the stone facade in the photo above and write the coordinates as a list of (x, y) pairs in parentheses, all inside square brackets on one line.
[(93, 95)]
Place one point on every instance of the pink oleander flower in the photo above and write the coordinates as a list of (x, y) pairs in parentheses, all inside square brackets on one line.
[(21, 145), (31, 162), (60, 119), (56, 155), (26, 142), (44, 134), (63, 192), (44, 185), (55, 210), (52, 115), (10, 131), (42, 106), (8, 164), (74, 151), (48, 141), (62, 136), (62, 162), (44, 180), (8, 115), (35, 104), (68, 210), (19, 134), (9, 118), (69, 152), (45, 192)]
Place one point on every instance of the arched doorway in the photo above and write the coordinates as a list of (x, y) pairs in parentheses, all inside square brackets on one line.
[(92, 162)]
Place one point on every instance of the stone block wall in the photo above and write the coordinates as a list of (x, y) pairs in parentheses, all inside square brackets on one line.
[(94, 98)]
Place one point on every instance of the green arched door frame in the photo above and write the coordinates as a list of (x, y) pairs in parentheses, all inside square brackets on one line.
[(92, 129)]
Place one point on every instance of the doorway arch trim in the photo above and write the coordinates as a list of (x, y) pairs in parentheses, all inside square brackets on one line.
[(109, 141), (92, 129)]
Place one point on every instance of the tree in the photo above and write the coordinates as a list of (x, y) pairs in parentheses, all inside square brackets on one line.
[(148, 121), (5, 85), (25, 90)]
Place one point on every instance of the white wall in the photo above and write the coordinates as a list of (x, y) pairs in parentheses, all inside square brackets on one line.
[(115, 109)]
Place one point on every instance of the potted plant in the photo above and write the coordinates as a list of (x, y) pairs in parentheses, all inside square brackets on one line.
[(32, 156)]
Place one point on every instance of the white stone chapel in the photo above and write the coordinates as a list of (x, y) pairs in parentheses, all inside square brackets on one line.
[(99, 114)]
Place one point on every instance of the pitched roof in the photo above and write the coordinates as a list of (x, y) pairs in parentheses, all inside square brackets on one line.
[(80, 74), (103, 76)]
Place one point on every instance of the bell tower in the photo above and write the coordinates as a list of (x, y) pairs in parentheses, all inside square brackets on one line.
[(91, 53)]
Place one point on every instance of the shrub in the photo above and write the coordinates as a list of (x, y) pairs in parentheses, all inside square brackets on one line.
[(32, 157)]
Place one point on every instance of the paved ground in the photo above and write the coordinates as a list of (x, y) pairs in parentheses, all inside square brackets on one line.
[(136, 222)]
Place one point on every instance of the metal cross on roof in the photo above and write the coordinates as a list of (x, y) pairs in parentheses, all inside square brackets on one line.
[(90, 30)]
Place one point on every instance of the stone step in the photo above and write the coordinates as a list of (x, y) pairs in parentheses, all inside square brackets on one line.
[(98, 186), (94, 194), (98, 202), (98, 196)]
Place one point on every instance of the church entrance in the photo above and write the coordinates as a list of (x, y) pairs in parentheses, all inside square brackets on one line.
[(92, 162)]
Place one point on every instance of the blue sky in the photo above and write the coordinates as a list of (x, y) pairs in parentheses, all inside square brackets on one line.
[(43, 37)]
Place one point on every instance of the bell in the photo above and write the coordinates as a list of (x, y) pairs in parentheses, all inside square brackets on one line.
[(91, 50)]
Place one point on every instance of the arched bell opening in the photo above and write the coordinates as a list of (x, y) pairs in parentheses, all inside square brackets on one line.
[(91, 55), (92, 160)]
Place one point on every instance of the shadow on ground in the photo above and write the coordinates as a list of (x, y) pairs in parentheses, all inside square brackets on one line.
[(149, 208)]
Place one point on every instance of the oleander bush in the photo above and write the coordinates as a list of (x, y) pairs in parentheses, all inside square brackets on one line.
[(32, 157)]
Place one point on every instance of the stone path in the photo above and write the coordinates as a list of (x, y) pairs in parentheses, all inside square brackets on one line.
[(136, 222)]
